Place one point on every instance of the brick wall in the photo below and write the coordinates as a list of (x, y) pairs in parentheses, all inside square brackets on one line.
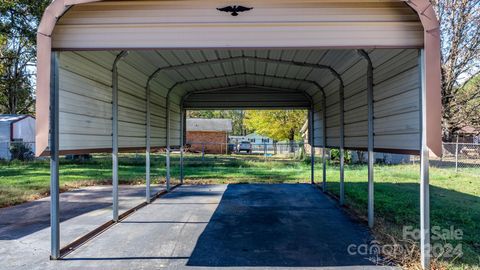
[(215, 142)]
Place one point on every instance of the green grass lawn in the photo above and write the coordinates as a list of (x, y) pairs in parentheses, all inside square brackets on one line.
[(455, 197)]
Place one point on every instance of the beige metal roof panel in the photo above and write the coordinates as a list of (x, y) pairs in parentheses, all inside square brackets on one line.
[(315, 23), (397, 92), (95, 25)]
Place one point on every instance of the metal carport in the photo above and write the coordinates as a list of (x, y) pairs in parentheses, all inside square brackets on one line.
[(118, 76)]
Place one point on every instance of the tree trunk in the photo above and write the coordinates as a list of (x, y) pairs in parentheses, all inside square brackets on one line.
[(291, 139)]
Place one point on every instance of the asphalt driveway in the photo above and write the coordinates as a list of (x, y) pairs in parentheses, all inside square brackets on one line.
[(212, 226)]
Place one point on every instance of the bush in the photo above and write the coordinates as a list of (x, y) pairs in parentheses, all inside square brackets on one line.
[(335, 156), (21, 151)]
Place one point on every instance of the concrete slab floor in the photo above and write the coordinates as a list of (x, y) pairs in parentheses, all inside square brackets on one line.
[(25, 228), (222, 226)]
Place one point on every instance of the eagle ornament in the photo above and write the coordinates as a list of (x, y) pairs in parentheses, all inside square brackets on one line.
[(234, 10)]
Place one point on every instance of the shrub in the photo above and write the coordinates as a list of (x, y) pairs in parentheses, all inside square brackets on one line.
[(21, 151), (335, 156)]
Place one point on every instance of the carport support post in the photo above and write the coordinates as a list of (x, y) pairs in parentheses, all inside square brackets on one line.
[(342, 147), (168, 145), (115, 135), (312, 147), (371, 157), (182, 142), (147, 147), (324, 131), (54, 162), (424, 175)]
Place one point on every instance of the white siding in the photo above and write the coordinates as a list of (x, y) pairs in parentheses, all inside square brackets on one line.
[(24, 130), (4, 140)]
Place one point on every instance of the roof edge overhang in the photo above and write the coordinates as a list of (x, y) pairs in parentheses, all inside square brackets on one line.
[(423, 8)]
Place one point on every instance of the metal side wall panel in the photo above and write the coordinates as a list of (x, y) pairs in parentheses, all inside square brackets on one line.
[(396, 99), (318, 125), (85, 102)]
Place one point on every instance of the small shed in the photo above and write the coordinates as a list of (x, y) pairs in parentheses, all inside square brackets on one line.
[(16, 128), (469, 134), (208, 135)]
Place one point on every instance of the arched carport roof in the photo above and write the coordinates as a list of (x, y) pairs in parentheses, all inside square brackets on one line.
[(422, 8), (118, 75)]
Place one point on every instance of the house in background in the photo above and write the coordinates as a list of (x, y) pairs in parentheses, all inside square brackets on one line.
[(16, 128), (209, 135), (469, 134)]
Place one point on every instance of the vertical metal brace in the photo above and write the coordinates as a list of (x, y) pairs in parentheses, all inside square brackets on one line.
[(148, 144), (342, 145), (182, 142), (425, 248), (371, 157), (312, 147), (168, 144), (54, 160), (324, 130), (115, 134)]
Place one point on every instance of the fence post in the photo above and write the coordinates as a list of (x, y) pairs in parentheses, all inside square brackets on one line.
[(456, 156), (265, 151)]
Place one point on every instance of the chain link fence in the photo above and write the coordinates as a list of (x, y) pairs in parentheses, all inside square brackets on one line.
[(455, 155), (267, 149), (459, 155)]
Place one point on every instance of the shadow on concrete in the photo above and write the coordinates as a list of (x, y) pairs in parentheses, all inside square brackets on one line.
[(125, 258), (278, 226), (25, 219), (36, 217), (164, 222)]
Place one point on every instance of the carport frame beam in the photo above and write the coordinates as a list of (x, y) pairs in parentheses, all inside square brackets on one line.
[(342, 143), (371, 141), (115, 135), (425, 248), (168, 150), (324, 142), (312, 147), (148, 143), (182, 142), (54, 160)]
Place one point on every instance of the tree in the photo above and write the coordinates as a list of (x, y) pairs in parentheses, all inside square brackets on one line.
[(277, 124), (460, 41), (18, 23), (467, 103)]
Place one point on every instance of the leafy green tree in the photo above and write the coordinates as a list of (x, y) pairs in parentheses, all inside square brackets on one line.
[(467, 104), (18, 24), (277, 124)]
